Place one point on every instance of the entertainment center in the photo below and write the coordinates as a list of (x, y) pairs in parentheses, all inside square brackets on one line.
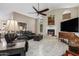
[(68, 35), (69, 29)]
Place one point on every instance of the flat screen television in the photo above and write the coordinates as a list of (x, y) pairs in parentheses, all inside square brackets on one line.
[(70, 25)]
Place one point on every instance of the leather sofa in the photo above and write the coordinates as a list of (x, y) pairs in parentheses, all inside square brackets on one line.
[(26, 35)]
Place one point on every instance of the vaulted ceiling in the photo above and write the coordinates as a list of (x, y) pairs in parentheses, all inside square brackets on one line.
[(26, 8)]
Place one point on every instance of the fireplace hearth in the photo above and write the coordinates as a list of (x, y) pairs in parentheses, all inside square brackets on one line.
[(51, 32)]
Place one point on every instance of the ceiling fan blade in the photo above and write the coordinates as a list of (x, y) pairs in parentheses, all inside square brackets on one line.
[(35, 9), (44, 10), (42, 14)]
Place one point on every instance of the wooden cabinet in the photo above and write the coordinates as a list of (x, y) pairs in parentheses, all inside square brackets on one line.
[(70, 36), (62, 35), (66, 35)]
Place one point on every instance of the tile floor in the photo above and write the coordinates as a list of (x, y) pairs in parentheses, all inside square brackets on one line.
[(48, 46)]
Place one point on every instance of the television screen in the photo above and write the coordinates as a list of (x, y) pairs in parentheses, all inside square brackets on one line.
[(70, 25)]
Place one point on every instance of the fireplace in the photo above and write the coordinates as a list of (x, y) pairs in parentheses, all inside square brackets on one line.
[(51, 32)]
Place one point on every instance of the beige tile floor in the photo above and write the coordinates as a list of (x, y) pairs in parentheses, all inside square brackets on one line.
[(48, 46)]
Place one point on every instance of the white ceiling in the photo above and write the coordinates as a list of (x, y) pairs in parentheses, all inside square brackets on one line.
[(25, 8)]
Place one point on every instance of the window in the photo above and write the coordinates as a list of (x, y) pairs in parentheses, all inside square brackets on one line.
[(41, 27)]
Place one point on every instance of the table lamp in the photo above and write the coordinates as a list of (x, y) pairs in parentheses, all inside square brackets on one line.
[(11, 28)]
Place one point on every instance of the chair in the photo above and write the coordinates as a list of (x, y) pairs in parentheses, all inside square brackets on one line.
[(38, 37), (26, 46)]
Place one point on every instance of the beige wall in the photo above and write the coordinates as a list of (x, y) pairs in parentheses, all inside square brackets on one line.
[(34, 25), (28, 20), (58, 18)]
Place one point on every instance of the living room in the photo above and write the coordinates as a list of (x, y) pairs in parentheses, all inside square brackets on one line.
[(36, 29)]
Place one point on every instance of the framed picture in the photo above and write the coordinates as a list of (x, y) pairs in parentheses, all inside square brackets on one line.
[(51, 20), (67, 16)]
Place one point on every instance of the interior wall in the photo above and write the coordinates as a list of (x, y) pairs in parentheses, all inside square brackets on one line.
[(31, 24), (25, 19), (58, 19)]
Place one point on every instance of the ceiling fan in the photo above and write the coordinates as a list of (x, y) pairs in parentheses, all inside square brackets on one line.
[(41, 12)]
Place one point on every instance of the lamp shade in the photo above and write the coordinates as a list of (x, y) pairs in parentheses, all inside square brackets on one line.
[(12, 26)]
